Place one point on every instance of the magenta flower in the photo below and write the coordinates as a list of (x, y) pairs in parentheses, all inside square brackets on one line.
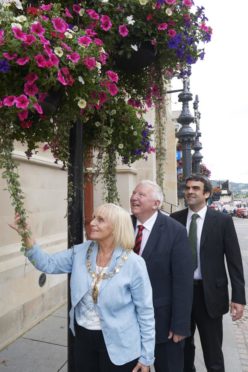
[(112, 88), (23, 115), (9, 101), (46, 7), (44, 41), (84, 40), (41, 61), (30, 39), (1, 37), (65, 46), (162, 26), (172, 33), (9, 57), (102, 97), (73, 57), (90, 62), (30, 89), (92, 14), (76, 8), (170, 2), (64, 77), (38, 108), (103, 58), (22, 102), (90, 32), (123, 30), (187, 3), (68, 13), (59, 25), (106, 23), (18, 34), (36, 28), (52, 60), (22, 61), (98, 42), (31, 78), (113, 76)]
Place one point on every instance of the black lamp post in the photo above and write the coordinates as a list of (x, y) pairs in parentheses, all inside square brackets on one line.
[(186, 134), (197, 156)]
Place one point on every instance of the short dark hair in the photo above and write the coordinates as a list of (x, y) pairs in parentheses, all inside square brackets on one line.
[(199, 177)]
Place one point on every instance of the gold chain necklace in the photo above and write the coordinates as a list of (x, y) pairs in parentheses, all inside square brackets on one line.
[(103, 275)]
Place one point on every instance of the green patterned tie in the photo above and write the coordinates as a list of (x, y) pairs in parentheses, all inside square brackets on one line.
[(193, 238)]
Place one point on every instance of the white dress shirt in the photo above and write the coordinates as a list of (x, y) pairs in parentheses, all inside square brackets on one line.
[(148, 225), (199, 222)]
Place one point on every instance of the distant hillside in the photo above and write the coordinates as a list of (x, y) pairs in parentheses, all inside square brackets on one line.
[(235, 187)]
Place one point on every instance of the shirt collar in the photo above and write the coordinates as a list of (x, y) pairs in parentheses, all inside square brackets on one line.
[(148, 224), (201, 213)]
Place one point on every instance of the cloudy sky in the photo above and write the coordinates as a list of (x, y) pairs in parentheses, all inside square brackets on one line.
[(221, 82)]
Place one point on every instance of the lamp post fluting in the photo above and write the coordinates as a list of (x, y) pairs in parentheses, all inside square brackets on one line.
[(197, 156), (186, 134)]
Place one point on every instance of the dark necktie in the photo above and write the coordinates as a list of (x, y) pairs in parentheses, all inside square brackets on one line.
[(193, 238), (138, 239)]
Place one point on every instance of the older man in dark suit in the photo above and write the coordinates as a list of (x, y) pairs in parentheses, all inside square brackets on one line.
[(163, 244), (215, 241)]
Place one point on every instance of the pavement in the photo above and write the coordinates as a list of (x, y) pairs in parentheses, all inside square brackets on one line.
[(44, 347)]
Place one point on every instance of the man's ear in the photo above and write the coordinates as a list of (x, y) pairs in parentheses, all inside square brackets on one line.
[(207, 195)]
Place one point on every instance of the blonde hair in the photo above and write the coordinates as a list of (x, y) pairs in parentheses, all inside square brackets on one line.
[(123, 230)]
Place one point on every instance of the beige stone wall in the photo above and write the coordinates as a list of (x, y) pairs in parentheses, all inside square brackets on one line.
[(23, 302)]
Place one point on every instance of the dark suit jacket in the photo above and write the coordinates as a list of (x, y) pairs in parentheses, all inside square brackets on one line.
[(169, 263), (219, 241)]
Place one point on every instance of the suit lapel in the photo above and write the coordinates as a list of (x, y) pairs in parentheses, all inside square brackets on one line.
[(209, 222), (153, 238)]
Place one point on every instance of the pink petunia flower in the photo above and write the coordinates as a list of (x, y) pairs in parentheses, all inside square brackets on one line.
[(31, 77), (103, 58), (44, 41), (19, 34), (113, 76), (1, 37), (162, 26), (106, 23), (30, 39), (46, 7), (84, 40), (22, 101), (90, 62), (92, 14), (41, 61), (73, 57), (170, 2), (76, 8), (38, 108), (98, 41), (90, 32), (123, 30), (37, 28), (172, 33), (65, 46), (23, 115), (187, 3), (64, 77), (102, 97), (9, 57), (59, 25), (112, 88), (9, 101), (52, 60), (30, 89), (68, 13), (22, 61)]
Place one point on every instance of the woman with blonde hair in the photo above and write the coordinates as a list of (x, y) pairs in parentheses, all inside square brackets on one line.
[(112, 315)]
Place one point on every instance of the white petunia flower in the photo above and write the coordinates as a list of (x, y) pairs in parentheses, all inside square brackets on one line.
[(58, 51), (81, 80), (130, 20), (134, 47), (169, 12), (21, 18), (82, 103)]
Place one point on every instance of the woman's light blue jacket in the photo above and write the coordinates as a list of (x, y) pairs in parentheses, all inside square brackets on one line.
[(124, 303)]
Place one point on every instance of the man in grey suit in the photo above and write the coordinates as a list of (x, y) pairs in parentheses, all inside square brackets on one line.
[(165, 248), (216, 241)]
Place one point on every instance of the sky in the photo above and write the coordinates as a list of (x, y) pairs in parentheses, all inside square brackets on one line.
[(221, 83)]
